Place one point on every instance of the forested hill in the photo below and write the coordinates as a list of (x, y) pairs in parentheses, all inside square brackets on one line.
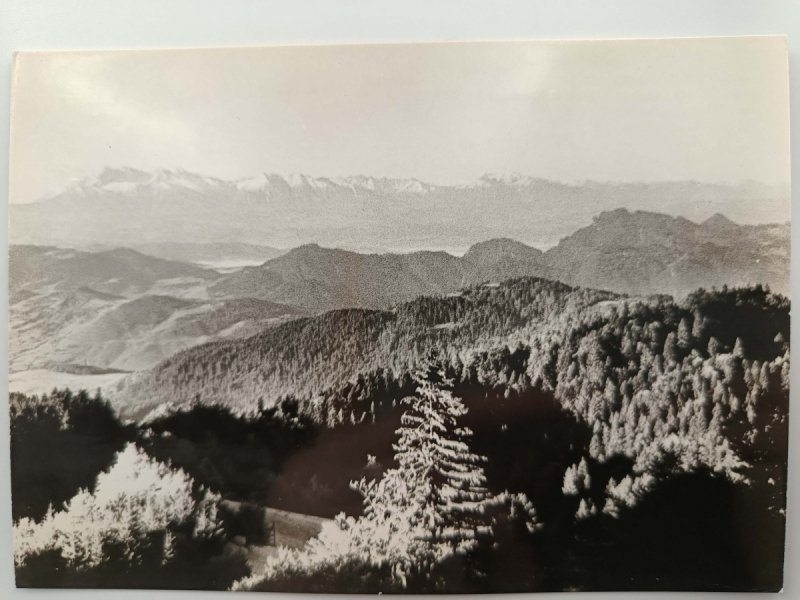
[(306, 356), (119, 271), (669, 388), (701, 383)]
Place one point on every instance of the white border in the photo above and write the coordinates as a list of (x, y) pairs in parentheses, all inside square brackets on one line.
[(106, 24)]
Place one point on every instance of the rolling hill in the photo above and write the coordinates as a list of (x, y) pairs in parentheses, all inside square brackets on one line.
[(78, 328), (118, 272), (215, 255), (118, 309), (123, 309), (323, 278), (622, 251)]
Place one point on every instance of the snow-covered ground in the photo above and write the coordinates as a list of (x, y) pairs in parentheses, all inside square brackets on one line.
[(39, 381), (230, 265)]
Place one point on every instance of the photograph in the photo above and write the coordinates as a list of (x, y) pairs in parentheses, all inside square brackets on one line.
[(407, 318)]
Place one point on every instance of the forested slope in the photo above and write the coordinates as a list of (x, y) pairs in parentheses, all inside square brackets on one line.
[(640, 429), (306, 356), (672, 387)]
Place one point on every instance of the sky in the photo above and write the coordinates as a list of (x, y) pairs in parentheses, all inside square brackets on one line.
[(712, 110)]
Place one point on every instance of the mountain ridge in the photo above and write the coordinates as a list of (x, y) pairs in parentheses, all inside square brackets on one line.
[(115, 176), (627, 252), (130, 206), (59, 297), (115, 271)]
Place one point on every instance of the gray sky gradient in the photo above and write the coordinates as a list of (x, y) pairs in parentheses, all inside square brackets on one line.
[(712, 110)]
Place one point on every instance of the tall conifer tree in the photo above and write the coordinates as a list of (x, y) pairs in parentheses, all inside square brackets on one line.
[(449, 482), (438, 491)]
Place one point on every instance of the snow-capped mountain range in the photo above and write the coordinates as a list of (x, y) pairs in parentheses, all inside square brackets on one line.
[(128, 180), (131, 206)]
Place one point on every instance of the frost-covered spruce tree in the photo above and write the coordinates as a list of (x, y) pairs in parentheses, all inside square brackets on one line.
[(432, 505), (445, 478)]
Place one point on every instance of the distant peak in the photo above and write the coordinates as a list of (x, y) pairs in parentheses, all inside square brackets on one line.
[(504, 246), (613, 215), (386, 184), (122, 251), (512, 179), (129, 180), (311, 249), (301, 180), (718, 220), (260, 182), (122, 174), (499, 242)]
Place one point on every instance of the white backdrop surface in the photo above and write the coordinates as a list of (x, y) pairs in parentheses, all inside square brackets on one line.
[(105, 24)]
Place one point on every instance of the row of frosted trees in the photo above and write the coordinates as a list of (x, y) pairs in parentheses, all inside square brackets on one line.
[(144, 523), (139, 522)]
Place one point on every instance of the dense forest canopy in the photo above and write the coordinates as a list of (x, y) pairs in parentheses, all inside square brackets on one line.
[(306, 356), (594, 411)]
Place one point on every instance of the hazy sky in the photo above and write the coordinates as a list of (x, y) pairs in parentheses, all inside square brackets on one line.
[(710, 110)]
